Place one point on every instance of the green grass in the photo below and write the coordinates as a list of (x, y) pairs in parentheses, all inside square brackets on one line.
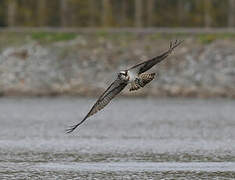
[(18, 39), (46, 37), (203, 38), (209, 38), (12, 39)]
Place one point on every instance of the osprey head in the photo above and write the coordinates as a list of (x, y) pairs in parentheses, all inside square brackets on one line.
[(123, 75)]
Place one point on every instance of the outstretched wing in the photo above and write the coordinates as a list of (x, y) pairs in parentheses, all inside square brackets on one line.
[(146, 65), (116, 87)]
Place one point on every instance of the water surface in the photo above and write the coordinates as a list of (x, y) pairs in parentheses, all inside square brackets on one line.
[(131, 138)]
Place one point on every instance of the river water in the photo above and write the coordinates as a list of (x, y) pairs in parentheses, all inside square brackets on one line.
[(143, 138)]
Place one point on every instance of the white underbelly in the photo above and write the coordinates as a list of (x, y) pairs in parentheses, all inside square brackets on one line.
[(132, 76)]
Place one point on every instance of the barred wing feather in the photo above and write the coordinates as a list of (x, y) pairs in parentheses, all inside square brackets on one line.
[(146, 65), (115, 88)]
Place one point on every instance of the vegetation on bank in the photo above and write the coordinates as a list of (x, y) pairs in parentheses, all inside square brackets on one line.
[(20, 38)]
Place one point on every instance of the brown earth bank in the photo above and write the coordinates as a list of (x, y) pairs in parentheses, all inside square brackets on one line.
[(86, 64)]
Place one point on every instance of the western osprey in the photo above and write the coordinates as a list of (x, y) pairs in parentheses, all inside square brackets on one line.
[(134, 76)]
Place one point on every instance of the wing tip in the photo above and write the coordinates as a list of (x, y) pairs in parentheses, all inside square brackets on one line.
[(176, 43), (71, 129)]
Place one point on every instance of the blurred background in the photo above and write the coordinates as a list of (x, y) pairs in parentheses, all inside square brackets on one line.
[(76, 47), (58, 56), (122, 13)]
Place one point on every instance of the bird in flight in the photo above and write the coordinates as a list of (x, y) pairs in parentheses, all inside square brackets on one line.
[(135, 76)]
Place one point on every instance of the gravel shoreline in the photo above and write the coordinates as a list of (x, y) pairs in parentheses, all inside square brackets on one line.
[(86, 65)]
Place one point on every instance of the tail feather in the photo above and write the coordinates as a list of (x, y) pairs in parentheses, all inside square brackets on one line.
[(146, 78), (143, 79)]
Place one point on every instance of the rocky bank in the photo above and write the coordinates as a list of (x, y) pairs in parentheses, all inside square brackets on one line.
[(87, 64)]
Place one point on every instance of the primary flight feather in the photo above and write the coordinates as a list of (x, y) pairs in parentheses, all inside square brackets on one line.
[(135, 75)]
